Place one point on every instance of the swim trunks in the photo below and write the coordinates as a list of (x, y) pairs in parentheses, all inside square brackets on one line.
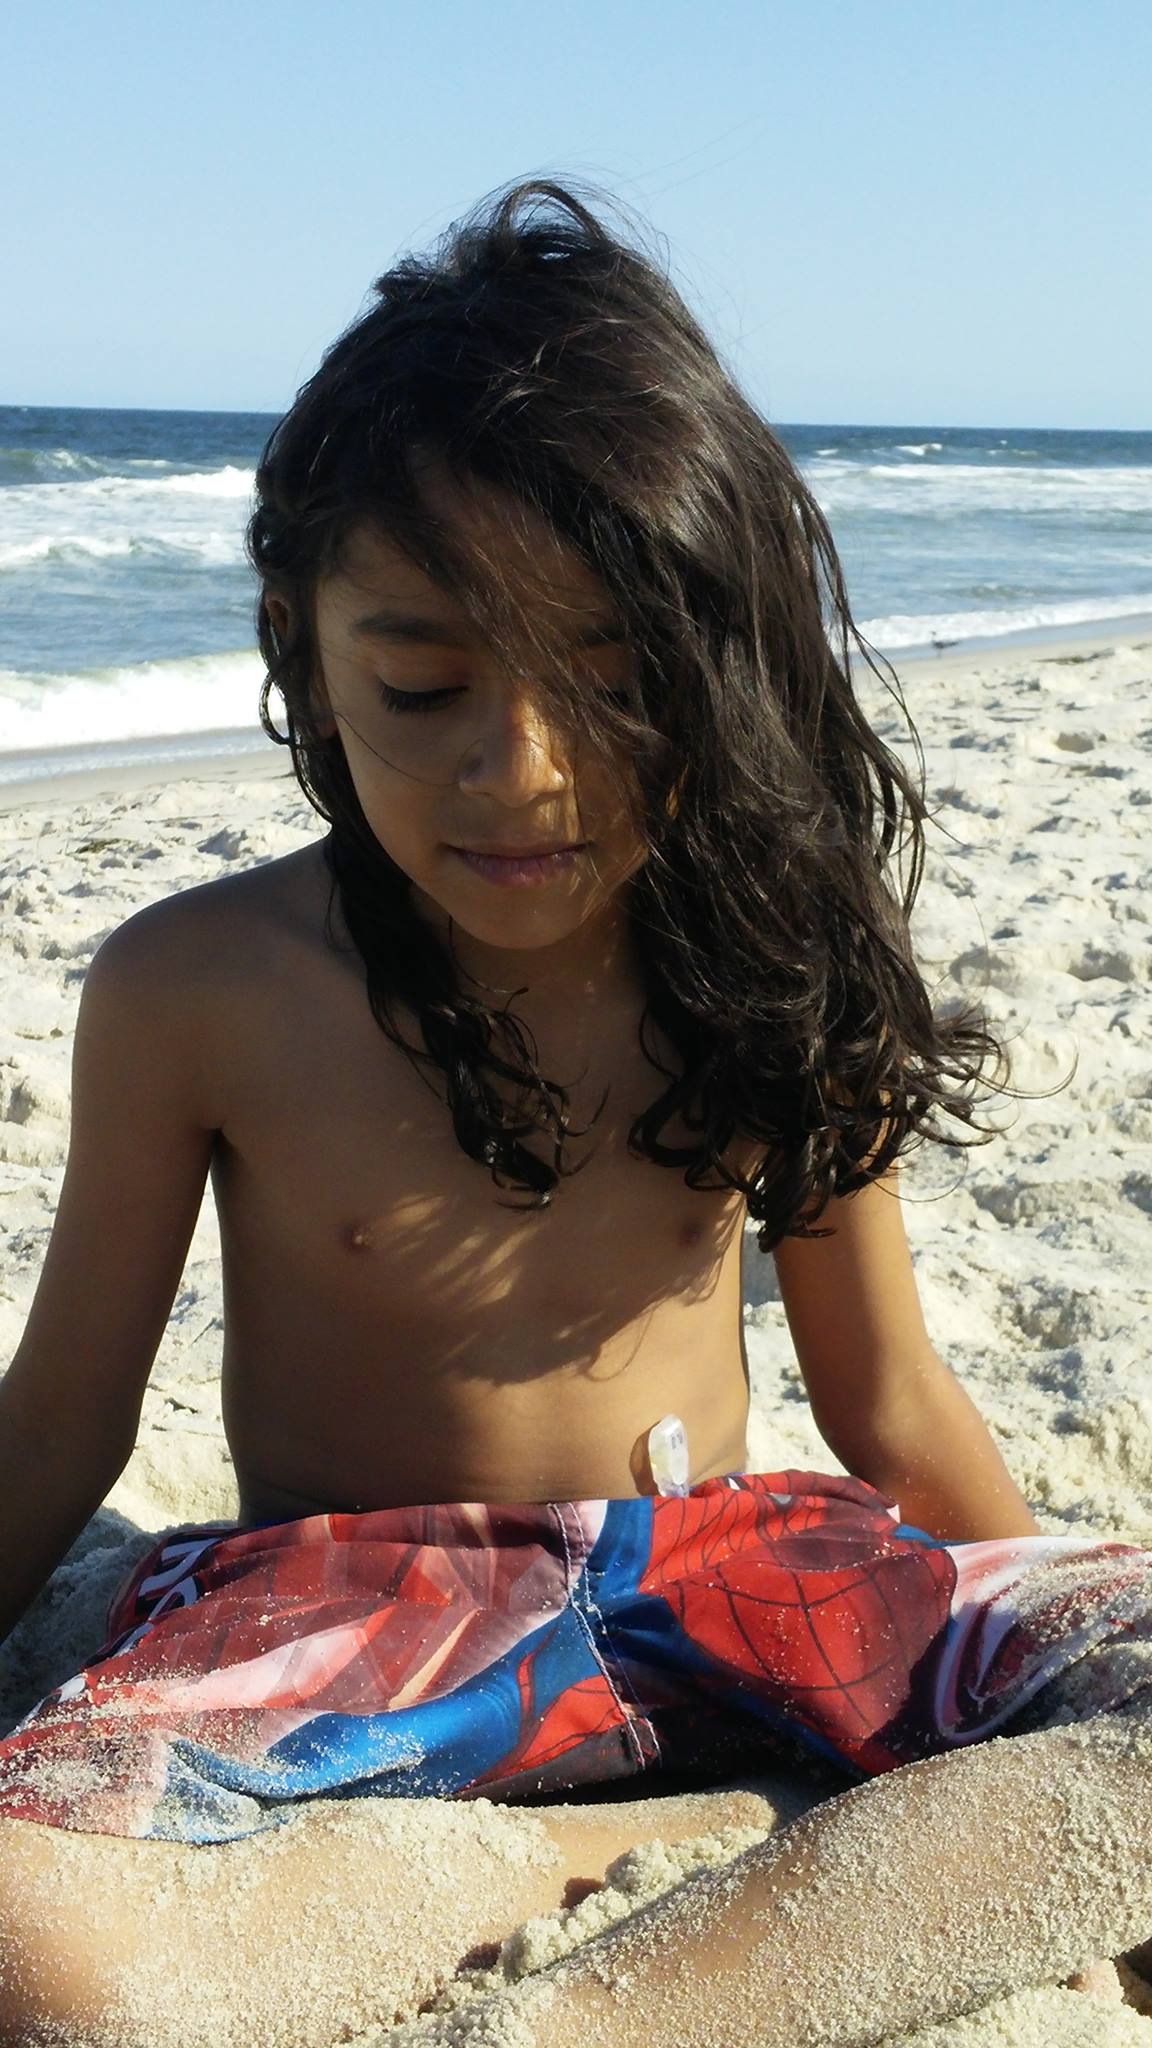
[(459, 1650)]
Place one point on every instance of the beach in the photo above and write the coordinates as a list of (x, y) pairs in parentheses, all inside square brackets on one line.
[(1033, 1253)]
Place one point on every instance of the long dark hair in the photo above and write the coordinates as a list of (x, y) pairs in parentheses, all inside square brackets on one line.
[(537, 352)]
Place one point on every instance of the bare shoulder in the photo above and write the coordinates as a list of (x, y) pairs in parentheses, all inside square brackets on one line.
[(154, 1071), (198, 965), (207, 932)]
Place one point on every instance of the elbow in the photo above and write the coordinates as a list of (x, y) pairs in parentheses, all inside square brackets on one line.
[(92, 1460), (911, 1416)]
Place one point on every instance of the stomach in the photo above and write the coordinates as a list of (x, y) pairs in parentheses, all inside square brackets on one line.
[(542, 1448)]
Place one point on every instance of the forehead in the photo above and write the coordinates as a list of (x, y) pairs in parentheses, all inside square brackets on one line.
[(498, 533)]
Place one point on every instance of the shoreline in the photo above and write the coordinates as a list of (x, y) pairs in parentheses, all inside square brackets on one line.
[(110, 767), (1081, 643), (113, 767)]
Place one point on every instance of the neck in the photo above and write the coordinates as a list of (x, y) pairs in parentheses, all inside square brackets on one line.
[(594, 967)]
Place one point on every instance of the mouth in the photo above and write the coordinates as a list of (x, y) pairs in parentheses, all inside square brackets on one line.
[(520, 867)]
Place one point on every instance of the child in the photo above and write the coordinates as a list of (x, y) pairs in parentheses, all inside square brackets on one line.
[(600, 955)]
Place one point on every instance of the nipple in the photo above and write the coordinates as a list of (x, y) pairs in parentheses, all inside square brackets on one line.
[(668, 1455), (360, 1237)]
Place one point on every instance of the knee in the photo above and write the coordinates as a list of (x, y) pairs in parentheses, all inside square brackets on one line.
[(58, 1959)]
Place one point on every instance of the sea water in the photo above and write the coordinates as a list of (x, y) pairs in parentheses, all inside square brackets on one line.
[(126, 607)]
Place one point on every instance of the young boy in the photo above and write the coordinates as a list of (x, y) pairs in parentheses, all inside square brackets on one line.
[(451, 1572)]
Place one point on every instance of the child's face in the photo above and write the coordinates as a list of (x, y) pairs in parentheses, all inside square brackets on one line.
[(457, 768)]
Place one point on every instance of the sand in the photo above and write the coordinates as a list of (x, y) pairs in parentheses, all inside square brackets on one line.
[(1033, 1254)]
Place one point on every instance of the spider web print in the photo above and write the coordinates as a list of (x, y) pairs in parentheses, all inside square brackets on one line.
[(463, 1649), (810, 1600)]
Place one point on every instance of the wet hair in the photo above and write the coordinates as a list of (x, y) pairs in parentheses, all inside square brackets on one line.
[(539, 353)]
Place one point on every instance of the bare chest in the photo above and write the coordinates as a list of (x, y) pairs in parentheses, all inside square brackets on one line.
[(396, 1322), (346, 1152)]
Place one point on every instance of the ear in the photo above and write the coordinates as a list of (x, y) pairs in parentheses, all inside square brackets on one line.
[(279, 617), (280, 620)]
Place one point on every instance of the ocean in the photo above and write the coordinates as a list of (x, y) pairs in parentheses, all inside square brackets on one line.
[(126, 606)]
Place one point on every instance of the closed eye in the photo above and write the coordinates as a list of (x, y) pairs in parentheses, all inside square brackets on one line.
[(415, 700)]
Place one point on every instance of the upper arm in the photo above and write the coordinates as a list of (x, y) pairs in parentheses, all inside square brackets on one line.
[(140, 1144), (855, 1317)]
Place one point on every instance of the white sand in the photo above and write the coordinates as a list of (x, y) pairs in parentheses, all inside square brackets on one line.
[(1033, 1254)]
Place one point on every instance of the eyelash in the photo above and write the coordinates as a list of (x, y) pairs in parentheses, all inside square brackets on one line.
[(407, 702), (415, 700)]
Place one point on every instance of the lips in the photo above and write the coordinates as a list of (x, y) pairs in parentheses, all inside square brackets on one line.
[(521, 852), (518, 868)]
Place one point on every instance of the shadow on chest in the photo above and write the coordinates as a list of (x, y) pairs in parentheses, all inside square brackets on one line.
[(350, 1170)]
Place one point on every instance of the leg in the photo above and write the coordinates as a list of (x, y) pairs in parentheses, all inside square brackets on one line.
[(353, 1913), (910, 1898)]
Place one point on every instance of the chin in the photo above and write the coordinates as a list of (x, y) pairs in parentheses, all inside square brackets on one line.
[(525, 930), (512, 923)]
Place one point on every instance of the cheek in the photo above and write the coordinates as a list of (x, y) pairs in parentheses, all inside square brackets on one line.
[(607, 791), (621, 815), (401, 815)]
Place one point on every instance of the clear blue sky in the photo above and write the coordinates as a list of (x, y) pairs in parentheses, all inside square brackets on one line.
[(885, 212)]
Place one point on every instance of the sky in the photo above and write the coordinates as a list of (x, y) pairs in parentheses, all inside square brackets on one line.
[(928, 213)]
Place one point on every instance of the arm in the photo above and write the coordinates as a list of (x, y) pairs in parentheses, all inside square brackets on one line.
[(137, 1163), (882, 1398)]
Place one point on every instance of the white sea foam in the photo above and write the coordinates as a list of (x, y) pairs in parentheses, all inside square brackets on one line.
[(121, 508), (918, 629), (50, 462), (226, 482), (190, 521), (212, 550), (203, 693), (965, 487)]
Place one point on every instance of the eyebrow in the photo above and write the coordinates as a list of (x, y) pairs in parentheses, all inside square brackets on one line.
[(389, 624)]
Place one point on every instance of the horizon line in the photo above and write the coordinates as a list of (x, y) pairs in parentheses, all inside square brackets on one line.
[(903, 426)]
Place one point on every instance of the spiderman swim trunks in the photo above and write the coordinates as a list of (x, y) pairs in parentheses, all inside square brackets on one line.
[(512, 1650)]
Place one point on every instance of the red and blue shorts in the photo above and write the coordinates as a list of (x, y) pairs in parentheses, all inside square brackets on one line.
[(461, 1650)]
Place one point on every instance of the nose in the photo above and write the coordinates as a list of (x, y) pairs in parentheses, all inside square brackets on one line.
[(517, 756)]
